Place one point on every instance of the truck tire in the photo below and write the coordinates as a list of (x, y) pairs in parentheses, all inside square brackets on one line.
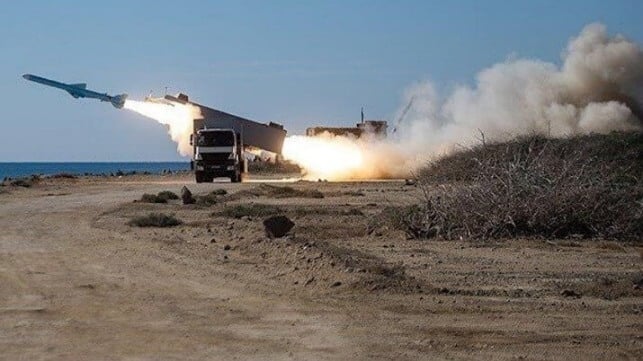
[(199, 176)]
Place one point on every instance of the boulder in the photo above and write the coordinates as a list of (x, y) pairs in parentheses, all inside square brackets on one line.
[(186, 196), (277, 226)]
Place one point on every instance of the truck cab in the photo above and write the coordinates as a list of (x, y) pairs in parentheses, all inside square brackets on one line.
[(217, 153)]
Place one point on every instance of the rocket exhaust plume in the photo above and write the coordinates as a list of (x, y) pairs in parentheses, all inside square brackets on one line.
[(598, 89), (178, 117)]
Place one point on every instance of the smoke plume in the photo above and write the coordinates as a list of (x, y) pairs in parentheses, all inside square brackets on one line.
[(176, 116), (598, 89)]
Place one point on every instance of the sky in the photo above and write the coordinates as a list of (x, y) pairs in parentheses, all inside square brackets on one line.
[(298, 63)]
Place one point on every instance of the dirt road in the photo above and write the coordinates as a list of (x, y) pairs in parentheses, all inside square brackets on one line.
[(77, 282)]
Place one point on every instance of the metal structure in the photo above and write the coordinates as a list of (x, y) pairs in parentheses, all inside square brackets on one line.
[(79, 90), (378, 128)]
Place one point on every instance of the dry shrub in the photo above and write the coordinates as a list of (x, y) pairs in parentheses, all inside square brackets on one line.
[(288, 192), (267, 190), (211, 198), (152, 198), (161, 197), (167, 195), (264, 210), (155, 220), (587, 186)]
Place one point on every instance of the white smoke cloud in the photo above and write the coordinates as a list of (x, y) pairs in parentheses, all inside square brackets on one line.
[(598, 89)]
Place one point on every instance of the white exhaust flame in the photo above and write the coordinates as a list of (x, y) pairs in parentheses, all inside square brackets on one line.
[(178, 117)]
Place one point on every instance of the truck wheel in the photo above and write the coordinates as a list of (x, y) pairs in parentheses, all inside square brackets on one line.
[(199, 177)]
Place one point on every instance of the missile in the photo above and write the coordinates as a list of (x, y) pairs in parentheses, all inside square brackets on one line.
[(80, 90)]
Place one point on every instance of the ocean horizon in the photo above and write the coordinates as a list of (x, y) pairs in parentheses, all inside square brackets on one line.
[(24, 169)]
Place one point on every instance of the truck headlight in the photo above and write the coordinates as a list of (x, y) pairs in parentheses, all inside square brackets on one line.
[(230, 167), (199, 167), (231, 156)]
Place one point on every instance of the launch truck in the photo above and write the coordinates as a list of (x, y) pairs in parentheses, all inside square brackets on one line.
[(219, 141), (218, 153)]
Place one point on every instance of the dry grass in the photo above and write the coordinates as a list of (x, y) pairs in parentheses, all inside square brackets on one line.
[(267, 190), (161, 197), (167, 195), (265, 210), (211, 198), (587, 186), (155, 220)]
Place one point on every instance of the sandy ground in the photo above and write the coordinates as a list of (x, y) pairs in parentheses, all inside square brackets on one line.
[(78, 283)]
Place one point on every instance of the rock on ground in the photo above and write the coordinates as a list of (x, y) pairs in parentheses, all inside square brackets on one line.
[(277, 226), (186, 196)]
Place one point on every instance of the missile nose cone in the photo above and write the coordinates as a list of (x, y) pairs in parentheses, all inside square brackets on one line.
[(27, 76)]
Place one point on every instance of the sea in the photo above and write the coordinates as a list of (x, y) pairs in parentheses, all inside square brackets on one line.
[(17, 170)]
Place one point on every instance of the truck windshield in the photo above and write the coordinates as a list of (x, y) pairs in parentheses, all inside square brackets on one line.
[(216, 139)]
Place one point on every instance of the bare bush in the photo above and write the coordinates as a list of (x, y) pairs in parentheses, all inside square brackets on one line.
[(584, 186)]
